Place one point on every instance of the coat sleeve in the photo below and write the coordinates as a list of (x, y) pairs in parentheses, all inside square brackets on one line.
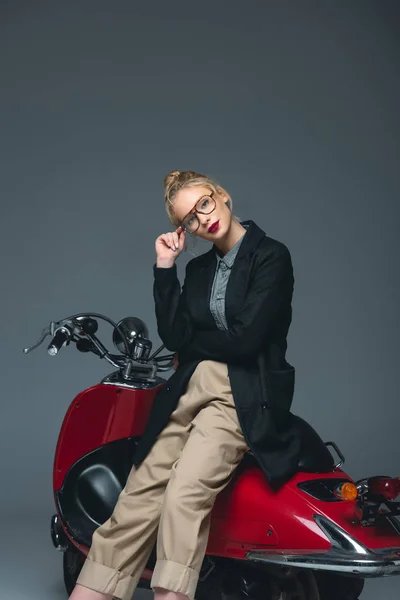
[(173, 323), (271, 289)]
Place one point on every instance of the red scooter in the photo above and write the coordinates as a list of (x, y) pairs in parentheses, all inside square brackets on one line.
[(315, 538)]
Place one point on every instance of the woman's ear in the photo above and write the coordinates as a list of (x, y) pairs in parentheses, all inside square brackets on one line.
[(225, 196), (222, 193)]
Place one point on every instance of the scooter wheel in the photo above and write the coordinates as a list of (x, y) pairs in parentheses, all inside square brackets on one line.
[(72, 564)]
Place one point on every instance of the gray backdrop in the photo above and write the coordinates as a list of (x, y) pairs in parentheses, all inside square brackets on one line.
[(292, 106)]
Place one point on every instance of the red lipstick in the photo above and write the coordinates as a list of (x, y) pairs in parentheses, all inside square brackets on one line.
[(214, 227)]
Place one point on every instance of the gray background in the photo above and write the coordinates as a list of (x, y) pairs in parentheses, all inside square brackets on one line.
[(292, 106)]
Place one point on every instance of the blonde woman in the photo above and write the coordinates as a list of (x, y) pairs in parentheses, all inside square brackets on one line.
[(231, 393)]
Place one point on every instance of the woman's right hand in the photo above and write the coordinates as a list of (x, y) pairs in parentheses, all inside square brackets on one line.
[(169, 246)]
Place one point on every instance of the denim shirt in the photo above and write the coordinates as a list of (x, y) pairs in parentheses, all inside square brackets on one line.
[(221, 277)]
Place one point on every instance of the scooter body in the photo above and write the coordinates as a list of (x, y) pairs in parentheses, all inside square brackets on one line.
[(316, 537)]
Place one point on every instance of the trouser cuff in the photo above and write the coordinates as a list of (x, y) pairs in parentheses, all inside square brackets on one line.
[(175, 577), (106, 580)]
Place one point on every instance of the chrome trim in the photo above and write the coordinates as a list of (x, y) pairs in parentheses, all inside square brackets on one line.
[(113, 379), (362, 487), (346, 555), (339, 538), (372, 565), (340, 455)]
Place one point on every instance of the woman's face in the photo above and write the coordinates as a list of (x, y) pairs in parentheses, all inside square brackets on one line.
[(202, 212)]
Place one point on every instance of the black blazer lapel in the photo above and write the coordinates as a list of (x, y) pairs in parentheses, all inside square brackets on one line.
[(240, 277)]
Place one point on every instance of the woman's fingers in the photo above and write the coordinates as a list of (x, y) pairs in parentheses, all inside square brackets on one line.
[(174, 240), (170, 240), (182, 238)]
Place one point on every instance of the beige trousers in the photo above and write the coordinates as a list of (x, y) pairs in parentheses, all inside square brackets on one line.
[(169, 497)]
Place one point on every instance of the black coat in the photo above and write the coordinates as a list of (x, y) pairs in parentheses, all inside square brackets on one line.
[(258, 312)]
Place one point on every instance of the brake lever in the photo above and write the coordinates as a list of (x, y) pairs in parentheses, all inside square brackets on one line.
[(49, 330)]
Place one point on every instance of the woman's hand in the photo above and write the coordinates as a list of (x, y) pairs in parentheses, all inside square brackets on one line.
[(169, 246)]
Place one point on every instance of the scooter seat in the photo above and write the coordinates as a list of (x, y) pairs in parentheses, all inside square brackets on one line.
[(314, 454)]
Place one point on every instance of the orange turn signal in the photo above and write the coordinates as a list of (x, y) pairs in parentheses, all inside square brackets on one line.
[(347, 491)]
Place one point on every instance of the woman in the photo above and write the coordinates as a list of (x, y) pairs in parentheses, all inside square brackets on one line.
[(231, 393)]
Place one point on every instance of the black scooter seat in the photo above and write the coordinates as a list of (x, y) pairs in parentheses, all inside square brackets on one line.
[(314, 454)]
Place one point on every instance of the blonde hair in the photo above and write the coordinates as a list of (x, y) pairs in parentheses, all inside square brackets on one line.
[(176, 181)]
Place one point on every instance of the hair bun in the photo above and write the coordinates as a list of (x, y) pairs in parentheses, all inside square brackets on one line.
[(171, 179)]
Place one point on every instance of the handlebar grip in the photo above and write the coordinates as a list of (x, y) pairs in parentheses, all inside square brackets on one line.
[(61, 336)]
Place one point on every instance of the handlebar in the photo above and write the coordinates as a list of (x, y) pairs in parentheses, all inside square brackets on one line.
[(81, 328)]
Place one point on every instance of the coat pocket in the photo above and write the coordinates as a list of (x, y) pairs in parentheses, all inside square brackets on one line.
[(270, 428), (279, 388)]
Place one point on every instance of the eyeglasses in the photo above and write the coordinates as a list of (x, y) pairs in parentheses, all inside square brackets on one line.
[(204, 206)]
